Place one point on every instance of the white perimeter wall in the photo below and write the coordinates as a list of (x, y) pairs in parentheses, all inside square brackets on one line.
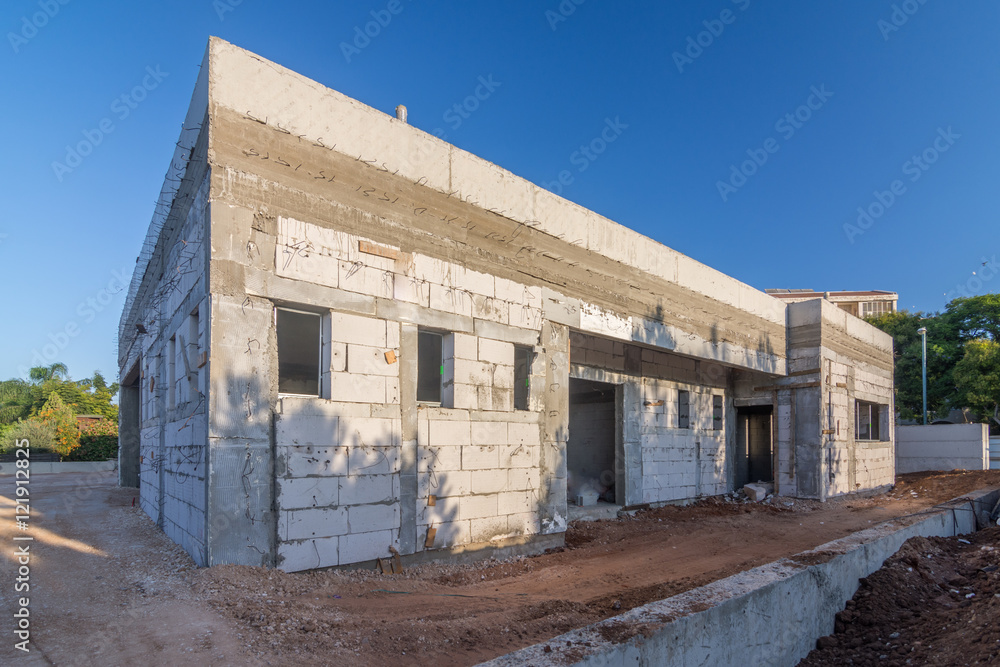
[(942, 447)]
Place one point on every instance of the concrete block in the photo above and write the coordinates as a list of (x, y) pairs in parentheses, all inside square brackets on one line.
[(463, 346), (488, 529), (519, 456), (366, 432), (370, 518), (392, 330), (496, 351), (490, 309), (523, 524), (367, 360), (313, 461), (480, 457), (362, 279), (374, 460), (365, 489), (516, 502), (489, 433), (449, 433), (489, 481), (523, 479), (477, 507), (448, 483), (439, 459), (524, 434), (473, 372), (450, 300), (308, 492), (443, 510), (451, 534), (360, 547), (308, 554), (516, 293), (411, 290), (758, 492), (351, 388), (348, 328), (312, 523), (315, 430)]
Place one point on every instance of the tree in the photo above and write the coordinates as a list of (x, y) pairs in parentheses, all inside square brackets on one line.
[(959, 335), (60, 418), (977, 376), (15, 400)]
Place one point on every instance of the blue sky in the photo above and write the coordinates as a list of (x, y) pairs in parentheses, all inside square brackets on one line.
[(694, 90)]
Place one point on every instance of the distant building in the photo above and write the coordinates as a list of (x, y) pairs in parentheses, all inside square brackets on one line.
[(859, 304)]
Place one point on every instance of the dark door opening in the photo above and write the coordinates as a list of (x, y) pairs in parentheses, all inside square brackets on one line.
[(754, 451), (593, 444), (129, 425)]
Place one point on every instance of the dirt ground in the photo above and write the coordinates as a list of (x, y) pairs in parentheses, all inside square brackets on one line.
[(936, 602), (108, 587)]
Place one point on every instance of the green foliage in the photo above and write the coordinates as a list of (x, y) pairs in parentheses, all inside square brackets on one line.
[(949, 337), (977, 376), (59, 416), (15, 400), (41, 435), (94, 448)]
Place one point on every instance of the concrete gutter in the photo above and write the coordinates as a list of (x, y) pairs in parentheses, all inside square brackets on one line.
[(47, 467), (770, 615)]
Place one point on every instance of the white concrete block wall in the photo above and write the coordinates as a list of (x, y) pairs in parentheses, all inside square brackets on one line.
[(331, 258), (173, 436), (338, 464), (482, 470)]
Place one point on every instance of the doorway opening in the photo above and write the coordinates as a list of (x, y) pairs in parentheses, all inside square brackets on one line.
[(592, 453), (129, 426), (754, 450)]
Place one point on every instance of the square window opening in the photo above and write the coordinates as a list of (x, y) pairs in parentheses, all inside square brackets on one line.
[(866, 424), (298, 352)]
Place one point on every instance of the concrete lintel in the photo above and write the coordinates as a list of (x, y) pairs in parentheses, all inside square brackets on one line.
[(412, 313), (509, 334), (269, 286)]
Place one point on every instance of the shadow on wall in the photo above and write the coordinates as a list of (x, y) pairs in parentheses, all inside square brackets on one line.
[(658, 332)]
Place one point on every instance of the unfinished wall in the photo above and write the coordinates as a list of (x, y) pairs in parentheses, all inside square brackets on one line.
[(663, 458), (173, 386)]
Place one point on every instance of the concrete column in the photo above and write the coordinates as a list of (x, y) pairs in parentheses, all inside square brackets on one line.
[(408, 455), (552, 507)]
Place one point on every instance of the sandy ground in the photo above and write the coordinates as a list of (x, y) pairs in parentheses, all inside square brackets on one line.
[(108, 588)]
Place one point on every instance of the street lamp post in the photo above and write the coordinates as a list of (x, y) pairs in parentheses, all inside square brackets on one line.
[(923, 367)]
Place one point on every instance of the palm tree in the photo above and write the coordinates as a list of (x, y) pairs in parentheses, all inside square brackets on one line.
[(40, 374)]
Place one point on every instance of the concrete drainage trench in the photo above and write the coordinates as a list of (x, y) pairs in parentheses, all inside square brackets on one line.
[(770, 615)]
